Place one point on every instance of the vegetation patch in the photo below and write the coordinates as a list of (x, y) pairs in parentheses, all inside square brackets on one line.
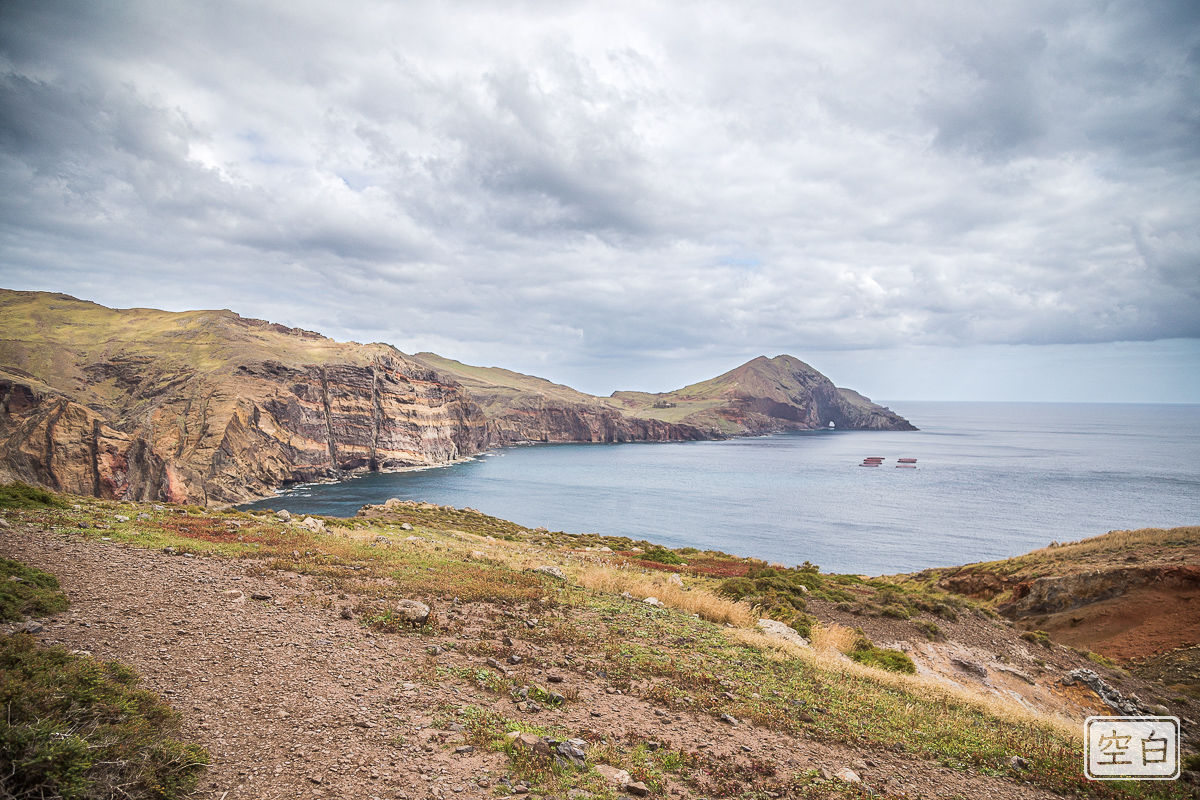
[(20, 495), (26, 591), (76, 728), (865, 652)]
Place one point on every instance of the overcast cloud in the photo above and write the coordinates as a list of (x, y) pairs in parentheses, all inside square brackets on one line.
[(624, 195)]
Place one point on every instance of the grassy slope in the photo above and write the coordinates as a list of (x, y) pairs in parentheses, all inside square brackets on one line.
[(53, 337), (772, 378), (495, 388), (671, 658)]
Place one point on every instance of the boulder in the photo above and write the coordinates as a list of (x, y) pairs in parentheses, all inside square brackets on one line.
[(618, 777), (284, 514), (775, 628), (413, 611), (552, 571)]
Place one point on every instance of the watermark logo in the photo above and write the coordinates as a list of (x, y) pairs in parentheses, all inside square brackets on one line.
[(1132, 748)]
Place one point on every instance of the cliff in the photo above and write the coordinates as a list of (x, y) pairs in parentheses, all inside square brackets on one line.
[(766, 395), (524, 408), (207, 407), (1126, 594)]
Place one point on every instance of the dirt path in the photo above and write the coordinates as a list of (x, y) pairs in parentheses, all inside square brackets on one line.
[(294, 701)]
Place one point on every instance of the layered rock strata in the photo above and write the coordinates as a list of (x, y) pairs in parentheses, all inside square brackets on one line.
[(208, 407)]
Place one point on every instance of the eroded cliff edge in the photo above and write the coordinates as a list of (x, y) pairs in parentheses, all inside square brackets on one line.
[(208, 407)]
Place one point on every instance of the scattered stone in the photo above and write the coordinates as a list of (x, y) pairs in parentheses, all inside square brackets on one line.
[(531, 623), (29, 626), (405, 526), (654, 601), (569, 752), (552, 571), (513, 659), (675, 580), (284, 515), (5, 524), (121, 518), (362, 723), (969, 666), (613, 775), (1112, 697), (638, 788), (777, 629), (727, 719), (143, 516), (413, 611), (1016, 673), (652, 746), (847, 775), (464, 749), (260, 596), (313, 524), (554, 678), (507, 641), (496, 665), (529, 741), (1019, 764)]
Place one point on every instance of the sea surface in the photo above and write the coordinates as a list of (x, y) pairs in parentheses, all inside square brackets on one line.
[(992, 480)]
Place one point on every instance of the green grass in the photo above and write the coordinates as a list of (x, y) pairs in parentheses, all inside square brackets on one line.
[(25, 591), (20, 495), (864, 652), (76, 728)]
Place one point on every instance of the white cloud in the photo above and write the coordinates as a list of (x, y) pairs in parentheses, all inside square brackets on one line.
[(606, 186)]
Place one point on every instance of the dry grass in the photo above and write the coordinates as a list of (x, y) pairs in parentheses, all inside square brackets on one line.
[(1119, 541), (827, 655), (832, 638), (694, 601)]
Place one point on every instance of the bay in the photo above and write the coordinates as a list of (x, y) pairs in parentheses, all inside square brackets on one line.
[(992, 480)]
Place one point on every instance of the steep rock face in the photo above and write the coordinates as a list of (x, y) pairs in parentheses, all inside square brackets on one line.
[(524, 408), (554, 422), (208, 407)]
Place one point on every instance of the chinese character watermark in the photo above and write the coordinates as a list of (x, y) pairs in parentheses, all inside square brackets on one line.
[(1132, 748)]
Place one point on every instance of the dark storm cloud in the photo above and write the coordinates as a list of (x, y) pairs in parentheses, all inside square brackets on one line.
[(557, 183)]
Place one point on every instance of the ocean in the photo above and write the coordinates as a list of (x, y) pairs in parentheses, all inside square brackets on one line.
[(992, 480)]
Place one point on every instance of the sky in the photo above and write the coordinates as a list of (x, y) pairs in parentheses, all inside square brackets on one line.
[(924, 200)]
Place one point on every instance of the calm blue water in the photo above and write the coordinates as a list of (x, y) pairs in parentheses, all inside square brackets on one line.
[(993, 480)]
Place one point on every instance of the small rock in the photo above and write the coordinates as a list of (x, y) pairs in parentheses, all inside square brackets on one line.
[(284, 514), (969, 666), (121, 518), (496, 665), (478, 555), (513, 659), (260, 596), (5, 524), (613, 775), (143, 516), (555, 678), (362, 723), (675, 580), (552, 571), (727, 719), (433, 650), (529, 741), (847, 775), (463, 749), (29, 626), (1019, 764), (404, 526), (773, 627), (413, 611), (506, 641), (313, 524), (455, 727), (654, 601), (531, 623), (652, 746)]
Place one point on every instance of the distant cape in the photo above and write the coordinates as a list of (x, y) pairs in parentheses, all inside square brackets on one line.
[(211, 408)]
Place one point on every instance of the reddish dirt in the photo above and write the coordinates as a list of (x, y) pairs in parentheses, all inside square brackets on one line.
[(1144, 622)]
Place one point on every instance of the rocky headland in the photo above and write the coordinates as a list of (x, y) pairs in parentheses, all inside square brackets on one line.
[(212, 408)]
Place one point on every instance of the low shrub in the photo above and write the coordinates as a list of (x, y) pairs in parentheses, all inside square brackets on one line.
[(25, 591), (21, 495), (76, 728), (865, 652)]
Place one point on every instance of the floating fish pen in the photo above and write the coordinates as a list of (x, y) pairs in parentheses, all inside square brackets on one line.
[(907, 460), (871, 462)]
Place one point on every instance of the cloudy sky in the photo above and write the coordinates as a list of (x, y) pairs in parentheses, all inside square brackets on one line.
[(922, 199)]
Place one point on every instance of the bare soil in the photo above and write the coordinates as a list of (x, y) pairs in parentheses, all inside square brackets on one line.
[(293, 700)]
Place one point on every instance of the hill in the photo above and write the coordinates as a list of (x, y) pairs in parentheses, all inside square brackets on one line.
[(524, 408), (208, 407), (212, 408), (765, 395)]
